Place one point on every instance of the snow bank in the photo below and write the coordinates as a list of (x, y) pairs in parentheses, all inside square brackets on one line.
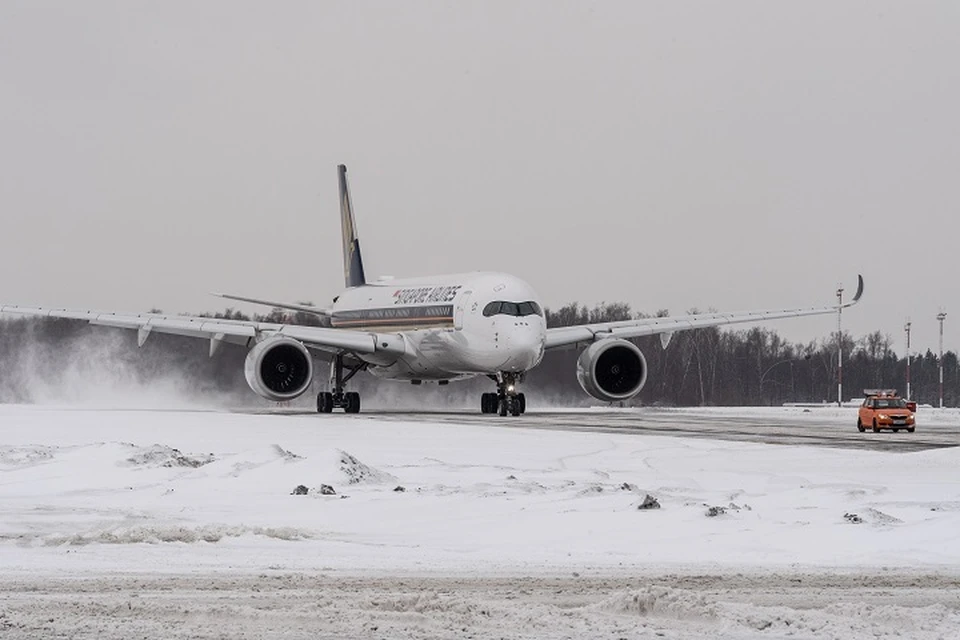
[(477, 498)]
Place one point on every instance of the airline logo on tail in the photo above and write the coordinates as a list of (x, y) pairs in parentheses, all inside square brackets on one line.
[(352, 260)]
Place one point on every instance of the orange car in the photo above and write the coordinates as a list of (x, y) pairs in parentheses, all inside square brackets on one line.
[(885, 411)]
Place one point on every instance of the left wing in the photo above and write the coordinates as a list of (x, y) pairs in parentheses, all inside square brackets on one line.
[(234, 331), (564, 336), (277, 305)]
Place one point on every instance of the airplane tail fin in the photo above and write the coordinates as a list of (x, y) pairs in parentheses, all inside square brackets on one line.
[(352, 261)]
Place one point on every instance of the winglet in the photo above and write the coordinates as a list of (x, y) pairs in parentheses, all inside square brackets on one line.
[(352, 261), (856, 297)]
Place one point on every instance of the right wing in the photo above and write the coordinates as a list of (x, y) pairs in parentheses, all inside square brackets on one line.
[(585, 333), (243, 332)]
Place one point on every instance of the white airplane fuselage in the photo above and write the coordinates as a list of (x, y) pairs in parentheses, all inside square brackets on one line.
[(449, 326)]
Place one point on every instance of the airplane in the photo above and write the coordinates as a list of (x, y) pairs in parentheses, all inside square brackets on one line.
[(436, 328)]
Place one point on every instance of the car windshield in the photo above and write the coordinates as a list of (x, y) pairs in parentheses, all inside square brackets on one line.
[(890, 403), (518, 309)]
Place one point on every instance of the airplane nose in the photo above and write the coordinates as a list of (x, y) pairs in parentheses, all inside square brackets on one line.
[(525, 346)]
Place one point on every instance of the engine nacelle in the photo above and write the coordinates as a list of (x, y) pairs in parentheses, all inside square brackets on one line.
[(612, 370), (279, 368)]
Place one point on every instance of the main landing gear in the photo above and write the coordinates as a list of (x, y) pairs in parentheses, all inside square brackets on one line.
[(507, 400), (349, 401)]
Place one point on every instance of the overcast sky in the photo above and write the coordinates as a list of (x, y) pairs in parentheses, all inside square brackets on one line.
[(732, 155)]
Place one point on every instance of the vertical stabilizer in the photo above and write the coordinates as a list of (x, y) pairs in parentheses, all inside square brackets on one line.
[(352, 261)]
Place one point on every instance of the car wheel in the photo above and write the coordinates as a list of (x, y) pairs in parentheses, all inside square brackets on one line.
[(911, 429), (896, 430), (876, 429), (860, 426)]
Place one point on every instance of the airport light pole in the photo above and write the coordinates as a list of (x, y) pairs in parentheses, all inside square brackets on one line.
[(839, 347), (906, 328), (941, 317)]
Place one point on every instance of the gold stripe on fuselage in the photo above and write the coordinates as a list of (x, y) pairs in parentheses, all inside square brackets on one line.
[(392, 324)]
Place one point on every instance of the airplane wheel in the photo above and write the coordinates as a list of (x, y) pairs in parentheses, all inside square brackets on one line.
[(324, 402), (352, 399), (503, 407), (488, 403), (876, 429), (860, 426), (515, 406), (522, 402)]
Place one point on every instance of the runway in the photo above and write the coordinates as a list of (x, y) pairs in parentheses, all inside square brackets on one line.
[(828, 427)]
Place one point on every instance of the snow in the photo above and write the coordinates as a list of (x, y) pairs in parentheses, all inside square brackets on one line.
[(101, 493), (478, 498)]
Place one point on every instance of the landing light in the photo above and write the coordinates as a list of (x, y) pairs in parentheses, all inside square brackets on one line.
[(510, 387)]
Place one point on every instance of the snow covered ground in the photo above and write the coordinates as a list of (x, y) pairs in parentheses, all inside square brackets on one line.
[(485, 511)]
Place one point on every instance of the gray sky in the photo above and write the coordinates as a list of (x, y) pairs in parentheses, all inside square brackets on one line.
[(733, 155)]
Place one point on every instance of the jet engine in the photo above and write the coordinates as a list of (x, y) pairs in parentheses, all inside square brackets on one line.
[(612, 370), (279, 368)]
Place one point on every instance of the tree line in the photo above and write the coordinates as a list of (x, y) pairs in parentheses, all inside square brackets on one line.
[(703, 367), (756, 366)]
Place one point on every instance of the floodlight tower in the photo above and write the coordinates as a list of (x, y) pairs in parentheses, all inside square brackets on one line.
[(906, 328), (941, 317), (839, 347)]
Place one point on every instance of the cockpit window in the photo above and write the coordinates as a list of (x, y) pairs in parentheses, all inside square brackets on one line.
[(518, 309), (510, 309)]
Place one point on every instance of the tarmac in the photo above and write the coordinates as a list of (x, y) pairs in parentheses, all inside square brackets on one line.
[(811, 428)]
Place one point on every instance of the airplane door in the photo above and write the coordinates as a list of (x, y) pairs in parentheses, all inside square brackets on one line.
[(460, 308)]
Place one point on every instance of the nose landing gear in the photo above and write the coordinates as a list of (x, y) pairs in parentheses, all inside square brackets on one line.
[(349, 401), (507, 400)]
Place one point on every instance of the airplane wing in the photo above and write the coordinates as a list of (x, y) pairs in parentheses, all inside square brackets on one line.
[(232, 331), (277, 305), (665, 327)]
